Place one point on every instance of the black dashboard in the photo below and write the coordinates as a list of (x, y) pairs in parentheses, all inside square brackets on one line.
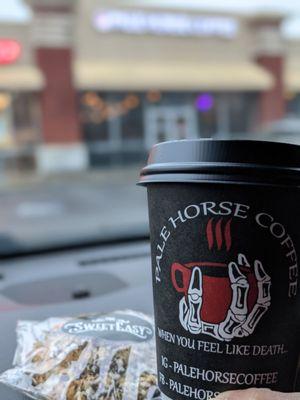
[(70, 283)]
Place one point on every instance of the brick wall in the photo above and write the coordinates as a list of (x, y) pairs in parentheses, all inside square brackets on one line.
[(60, 122)]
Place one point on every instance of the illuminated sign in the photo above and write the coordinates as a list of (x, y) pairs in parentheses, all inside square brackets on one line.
[(204, 102), (169, 24), (10, 51)]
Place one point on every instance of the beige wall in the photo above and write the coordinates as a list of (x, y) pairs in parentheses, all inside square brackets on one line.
[(292, 49), (91, 44)]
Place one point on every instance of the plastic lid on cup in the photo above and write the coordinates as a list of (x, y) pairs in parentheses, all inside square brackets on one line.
[(236, 161)]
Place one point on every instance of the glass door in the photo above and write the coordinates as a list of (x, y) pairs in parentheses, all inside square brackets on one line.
[(169, 123)]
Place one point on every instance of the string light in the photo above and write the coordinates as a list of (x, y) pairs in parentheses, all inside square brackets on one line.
[(131, 101), (93, 100), (101, 111), (153, 96), (5, 101)]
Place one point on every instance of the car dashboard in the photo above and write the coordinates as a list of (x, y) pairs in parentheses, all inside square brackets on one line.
[(69, 283)]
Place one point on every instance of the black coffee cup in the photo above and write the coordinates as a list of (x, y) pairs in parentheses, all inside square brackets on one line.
[(225, 239)]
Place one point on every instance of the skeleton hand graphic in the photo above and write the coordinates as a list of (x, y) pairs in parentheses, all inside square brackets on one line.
[(239, 322)]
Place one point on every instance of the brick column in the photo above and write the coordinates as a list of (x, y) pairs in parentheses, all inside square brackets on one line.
[(269, 53), (58, 100), (52, 32), (272, 101)]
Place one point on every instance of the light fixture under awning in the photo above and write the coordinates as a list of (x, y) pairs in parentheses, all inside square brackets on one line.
[(15, 78), (170, 76), (292, 77)]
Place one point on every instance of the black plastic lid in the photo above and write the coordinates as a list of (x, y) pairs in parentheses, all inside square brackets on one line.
[(226, 161)]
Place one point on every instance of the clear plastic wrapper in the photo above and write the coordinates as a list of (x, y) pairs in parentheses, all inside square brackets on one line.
[(94, 357)]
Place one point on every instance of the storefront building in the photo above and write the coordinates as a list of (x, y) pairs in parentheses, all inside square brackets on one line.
[(149, 75), (97, 82)]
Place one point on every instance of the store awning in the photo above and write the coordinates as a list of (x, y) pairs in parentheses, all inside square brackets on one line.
[(15, 78), (114, 75), (292, 77)]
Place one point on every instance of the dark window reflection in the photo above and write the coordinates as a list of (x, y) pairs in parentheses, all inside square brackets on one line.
[(123, 126)]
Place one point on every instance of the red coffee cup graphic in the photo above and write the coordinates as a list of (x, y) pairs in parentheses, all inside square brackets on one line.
[(220, 300)]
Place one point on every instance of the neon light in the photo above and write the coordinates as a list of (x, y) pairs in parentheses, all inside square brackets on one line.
[(10, 51), (204, 102), (172, 24)]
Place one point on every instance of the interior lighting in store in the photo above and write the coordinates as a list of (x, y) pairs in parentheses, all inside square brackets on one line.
[(101, 111), (153, 96), (5, 100), (131, 101), (289, 96), (93, 100)]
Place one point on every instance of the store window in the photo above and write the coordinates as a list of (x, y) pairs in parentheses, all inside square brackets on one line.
[(26, 119), (112, 125), (169, 116), (19, 120), (127, 122), (293, 104), (119, 123), (111, 118), (225, 114), (132, 119), (206, 107), (6, 137), (242, 112), (93, 118)]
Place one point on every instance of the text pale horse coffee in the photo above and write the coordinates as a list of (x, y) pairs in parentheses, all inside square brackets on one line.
[(225, 242)]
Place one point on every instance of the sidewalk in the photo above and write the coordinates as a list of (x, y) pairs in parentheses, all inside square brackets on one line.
[(116, 175)]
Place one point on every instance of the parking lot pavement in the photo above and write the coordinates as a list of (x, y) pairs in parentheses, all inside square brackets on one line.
[(69, 207)]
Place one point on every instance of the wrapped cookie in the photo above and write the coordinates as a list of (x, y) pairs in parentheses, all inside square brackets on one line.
[(94, 357)]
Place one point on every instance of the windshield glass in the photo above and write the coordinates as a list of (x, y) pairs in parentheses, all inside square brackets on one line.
[(88, 87)]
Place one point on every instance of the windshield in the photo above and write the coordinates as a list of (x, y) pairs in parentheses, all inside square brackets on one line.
[(88, 87)]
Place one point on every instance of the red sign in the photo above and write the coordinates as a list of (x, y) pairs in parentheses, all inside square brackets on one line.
[(10, 51)]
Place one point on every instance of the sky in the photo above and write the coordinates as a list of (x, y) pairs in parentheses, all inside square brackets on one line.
[(16, 10)]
